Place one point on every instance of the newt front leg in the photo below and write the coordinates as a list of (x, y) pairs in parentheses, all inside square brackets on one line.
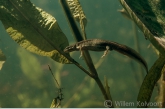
[(81, 52), (105, 52)]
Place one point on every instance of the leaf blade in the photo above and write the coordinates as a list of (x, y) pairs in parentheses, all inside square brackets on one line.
[(77, 11), (33, 29), (78, 14), (149, 82), (149, 17)]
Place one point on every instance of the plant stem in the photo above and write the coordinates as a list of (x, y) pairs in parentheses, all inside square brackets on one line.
[(86, 54), (81, 86), (110, 103), (78, 36), (101, 87)]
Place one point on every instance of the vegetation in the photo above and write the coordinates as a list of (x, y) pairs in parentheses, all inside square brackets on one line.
[(25, 77)]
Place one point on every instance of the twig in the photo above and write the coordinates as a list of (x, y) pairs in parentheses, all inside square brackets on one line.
[(54, 77), (57, 100)]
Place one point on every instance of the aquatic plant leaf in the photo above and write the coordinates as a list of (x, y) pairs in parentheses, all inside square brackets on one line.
[(149, 15), (30, 67), (54, 103), (160, 98), (2, 59), (149, 82), (33, 29), (77, 11), (78, 14)]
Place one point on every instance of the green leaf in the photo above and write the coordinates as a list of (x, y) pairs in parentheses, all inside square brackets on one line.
[(149, 82), (33, 29), (161, 93), (2, 59), (78, 15), (77, 11), (149, 15), (54, 103)]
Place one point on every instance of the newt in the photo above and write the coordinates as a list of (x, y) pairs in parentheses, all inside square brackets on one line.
[(104, 45)]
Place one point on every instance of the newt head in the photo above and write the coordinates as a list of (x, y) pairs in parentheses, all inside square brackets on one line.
[(70, 48)]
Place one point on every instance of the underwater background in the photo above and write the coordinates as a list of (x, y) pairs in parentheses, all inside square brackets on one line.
[(25, 79)]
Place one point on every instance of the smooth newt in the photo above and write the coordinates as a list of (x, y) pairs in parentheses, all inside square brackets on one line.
[(104, 45)]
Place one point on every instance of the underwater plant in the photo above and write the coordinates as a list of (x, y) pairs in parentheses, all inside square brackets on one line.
[(38, 32)]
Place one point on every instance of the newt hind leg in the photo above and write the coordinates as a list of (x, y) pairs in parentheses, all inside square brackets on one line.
[(105, 52)]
